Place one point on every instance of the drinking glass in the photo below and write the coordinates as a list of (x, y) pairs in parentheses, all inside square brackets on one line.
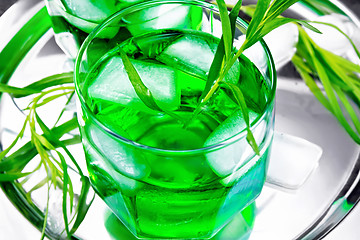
[(174, 170), (73, 20)]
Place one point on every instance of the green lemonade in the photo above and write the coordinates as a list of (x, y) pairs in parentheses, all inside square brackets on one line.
[(172, 194)]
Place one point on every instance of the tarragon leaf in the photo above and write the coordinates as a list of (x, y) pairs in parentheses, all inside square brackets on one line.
[(226, 28), (14, 91), (240, 100), (141, 90), (83, 206), (66, 182), (18, 160), (332, 77), (216, 64), (257, 18), (278, 7), (9, 177), (49, 135)]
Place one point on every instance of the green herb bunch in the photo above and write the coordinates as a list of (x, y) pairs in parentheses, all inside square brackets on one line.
[(319, 68), (49, 144)]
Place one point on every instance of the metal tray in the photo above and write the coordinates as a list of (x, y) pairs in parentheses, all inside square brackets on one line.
[(310, 212)]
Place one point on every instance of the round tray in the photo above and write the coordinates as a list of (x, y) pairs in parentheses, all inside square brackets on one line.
[(310, 212)]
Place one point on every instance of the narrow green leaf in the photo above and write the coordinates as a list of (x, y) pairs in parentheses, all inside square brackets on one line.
[(83, 206), (9, 177), (49, 135), (257, 18), (141, 90), (65, 191), (216, 64), (234, 13), (37, 87), (18, 160), (310, 82), (339, 71), (308, 25), (3, 153), (52, 98), (334, 104), (70, 189), (38, 185), (53, 80), (64, 108), (240, 100), (278, 7), (347, 65), (45, 142), (46, 214), (17, 91), (20, 44), (349, 108), (226, 28)]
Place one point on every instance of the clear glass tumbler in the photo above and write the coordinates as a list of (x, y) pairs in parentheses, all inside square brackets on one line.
[(73, 20), (174, 170)]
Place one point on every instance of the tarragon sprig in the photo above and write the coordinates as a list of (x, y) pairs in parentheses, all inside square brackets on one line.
[(46, 143), (265, 19), (339, 78)]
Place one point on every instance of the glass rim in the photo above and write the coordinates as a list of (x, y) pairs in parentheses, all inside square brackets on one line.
[(236, 137)]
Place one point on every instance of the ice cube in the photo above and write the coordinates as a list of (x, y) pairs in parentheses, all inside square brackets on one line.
[(123, 158), (86, 15), (194, 54), (292, 161), (94, 11), (173, 16), (226, 160), (103, 167), (113, 84)]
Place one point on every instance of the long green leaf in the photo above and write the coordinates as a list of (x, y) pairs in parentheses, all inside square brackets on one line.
[(46, 214), (349, 108), (6, 151), (278, 7), (336, 109), (339, 72), (141, 90), (65, 192), (226, 28), (19, 46), (39, 185), (17, 91), (216, 64), (49, 135), (9, 177), (259, 15), (18, 160), (53, 80), (83, 206), (51, 98), (240, 100), (310, 82), (64, 108), (37, 87)]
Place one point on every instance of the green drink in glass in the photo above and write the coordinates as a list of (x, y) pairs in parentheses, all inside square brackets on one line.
[(73, 20), (173, 171)]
